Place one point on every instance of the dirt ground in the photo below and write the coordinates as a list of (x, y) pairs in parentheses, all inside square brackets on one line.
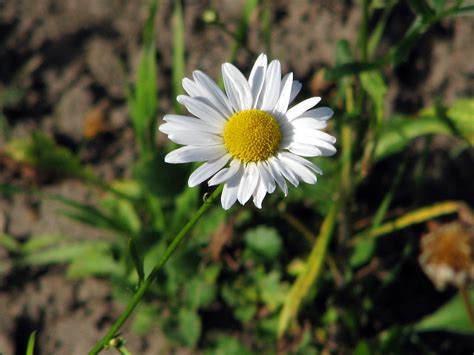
[(70, 58)]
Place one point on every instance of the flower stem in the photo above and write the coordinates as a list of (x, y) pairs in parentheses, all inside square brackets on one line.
[(139, 293)]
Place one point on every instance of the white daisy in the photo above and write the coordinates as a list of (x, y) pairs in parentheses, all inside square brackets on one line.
[(248, 138)]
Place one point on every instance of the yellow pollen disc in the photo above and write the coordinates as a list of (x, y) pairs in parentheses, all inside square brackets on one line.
[(252, 135)]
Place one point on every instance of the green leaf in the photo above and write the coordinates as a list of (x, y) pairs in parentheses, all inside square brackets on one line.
[(38, 242), (272, 290), (362, 252), (343, 52), (227, 345), (246, 312), (62, 253), (142, 100), (9, 243), (438, 5), (42, 152), (399, 53), (31, 344), (214, 218), (374, 84), (136, 259), (122, 214), (93, 216), (422, 8), (264, 241), (461, 113), (160, 179), (451, 317), (146, 316), (189, 326), (242, 295), (399, 131), (201, 290), (94, 262), (462, 11), (185, 204), (362, 348)]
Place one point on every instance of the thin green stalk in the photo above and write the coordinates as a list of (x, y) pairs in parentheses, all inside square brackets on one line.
[(140, 292)]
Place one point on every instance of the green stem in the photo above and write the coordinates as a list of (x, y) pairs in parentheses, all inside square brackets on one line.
[(139, 293)]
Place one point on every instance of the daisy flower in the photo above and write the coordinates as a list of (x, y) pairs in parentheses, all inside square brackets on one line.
[(248, 137)]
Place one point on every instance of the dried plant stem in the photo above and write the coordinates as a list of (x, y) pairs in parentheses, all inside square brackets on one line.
[(139, 293)]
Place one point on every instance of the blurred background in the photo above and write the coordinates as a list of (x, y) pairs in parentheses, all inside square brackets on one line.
[(86, 201)]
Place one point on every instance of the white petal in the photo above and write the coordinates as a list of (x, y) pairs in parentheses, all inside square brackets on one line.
[(266, 177), (231, 187), (313, 134), (317, 147), (237, 88), (299, 170), (320, 113), (287, 173), (272, 86), (304, 150), (248, 183), (308, 122), (202, 110), (190, 154), (191, 88), (259, 193), (284, 100), (257, 77), (214, 93), (303, 161), (327, 149), (206, 170), (184, 123), (295, 90), (275, 172), (193, 138), (302, 107), (225, 174)]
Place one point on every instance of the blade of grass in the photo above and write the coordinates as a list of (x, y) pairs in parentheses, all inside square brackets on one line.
[(308, 277), (137, 260), (31, 344), (377, 33), (418, 216), (363, 250), (422, 8), (178, 68), (143, 97), (241, 33)]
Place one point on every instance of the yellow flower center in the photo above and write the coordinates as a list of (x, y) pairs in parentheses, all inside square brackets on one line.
[(252, 135)]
